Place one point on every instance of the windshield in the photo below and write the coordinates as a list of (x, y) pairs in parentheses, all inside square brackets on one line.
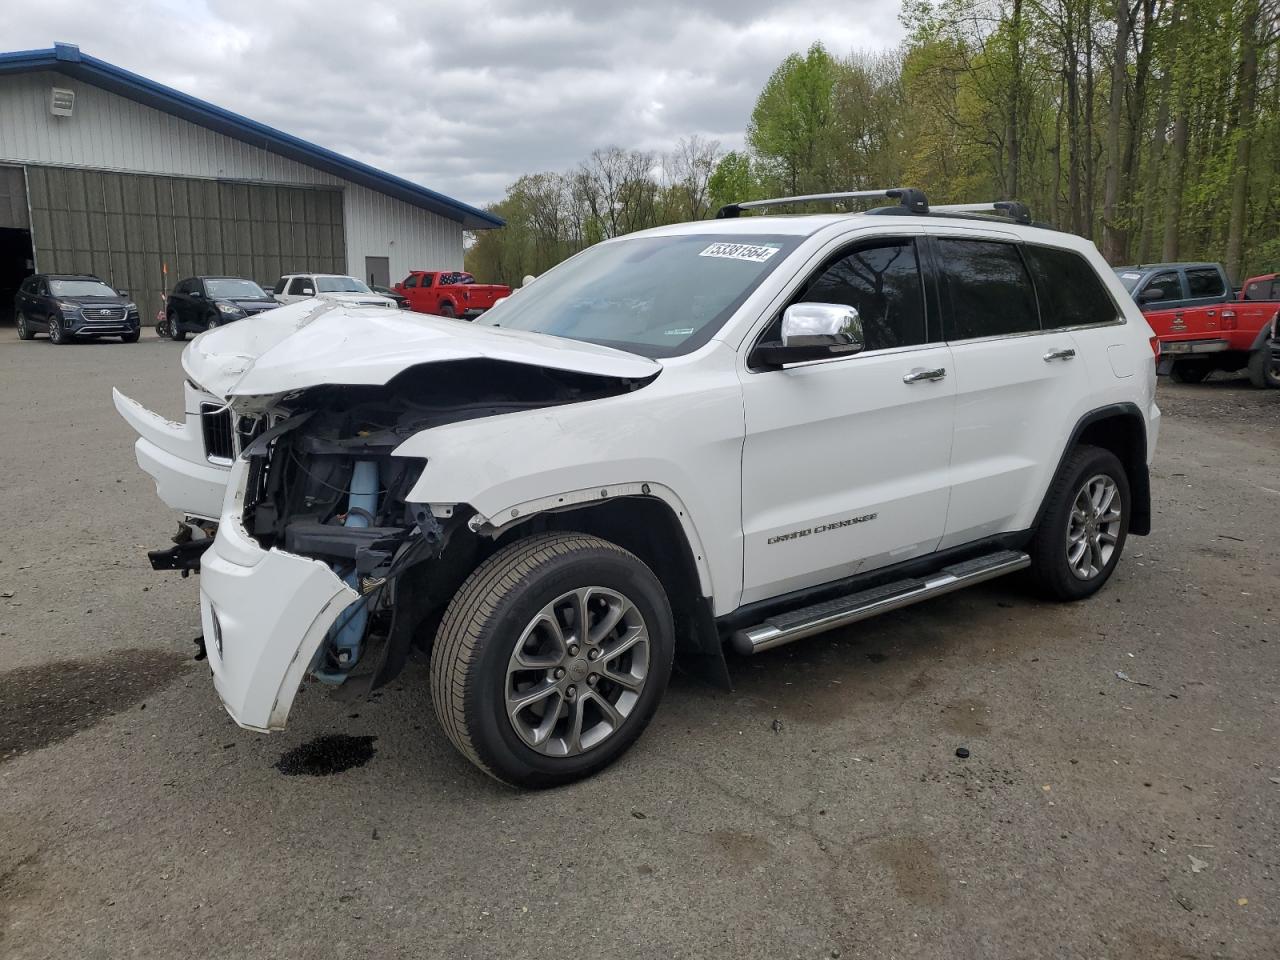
[(655, 296), (234, 290), (80, 288), (1129, 278), (340, 285)]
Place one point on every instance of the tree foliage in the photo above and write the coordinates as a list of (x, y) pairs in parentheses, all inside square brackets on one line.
[(1150, 126)]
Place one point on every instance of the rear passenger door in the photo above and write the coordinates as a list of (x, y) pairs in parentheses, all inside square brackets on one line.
[(1017, 387)]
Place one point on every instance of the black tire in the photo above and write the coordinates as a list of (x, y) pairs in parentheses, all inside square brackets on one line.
[(175, 332), (211, 325), (1264, 367), (447, 310), (57, 333), (1051, 571), (24, 328), (1191, 371), (131, 337), (485, 620)]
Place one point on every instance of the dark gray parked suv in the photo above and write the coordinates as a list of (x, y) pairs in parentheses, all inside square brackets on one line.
[(68, 306)]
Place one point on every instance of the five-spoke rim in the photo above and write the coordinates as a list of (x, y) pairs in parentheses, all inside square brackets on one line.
[(577, 671), (1093, 528)]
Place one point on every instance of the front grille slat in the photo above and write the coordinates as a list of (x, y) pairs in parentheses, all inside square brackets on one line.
[(215, 425)]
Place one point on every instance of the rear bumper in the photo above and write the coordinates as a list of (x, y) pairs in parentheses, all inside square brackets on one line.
[(265, 614), (1184, 347)]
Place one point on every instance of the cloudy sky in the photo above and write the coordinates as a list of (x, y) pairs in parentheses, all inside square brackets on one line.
[(464, 97)]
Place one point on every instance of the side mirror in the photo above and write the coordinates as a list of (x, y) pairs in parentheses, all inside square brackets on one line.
[(197, 294), (122, 293), (1151, 295), (814, 331)]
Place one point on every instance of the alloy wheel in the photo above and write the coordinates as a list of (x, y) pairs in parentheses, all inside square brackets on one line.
[(577, 671), (22, 325), (1093, 527), (55, 330)]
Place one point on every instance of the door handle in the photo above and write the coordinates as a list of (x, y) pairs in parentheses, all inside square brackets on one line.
[(920, 373), (1065, 354)]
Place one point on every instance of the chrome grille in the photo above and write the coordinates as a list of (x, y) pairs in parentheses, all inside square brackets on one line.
[(114, 314), (215, 426)]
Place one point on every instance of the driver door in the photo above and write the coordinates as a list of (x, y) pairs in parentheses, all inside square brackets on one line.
[(846, 460)]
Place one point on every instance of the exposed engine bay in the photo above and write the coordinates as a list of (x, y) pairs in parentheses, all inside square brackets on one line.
[(324, 483)]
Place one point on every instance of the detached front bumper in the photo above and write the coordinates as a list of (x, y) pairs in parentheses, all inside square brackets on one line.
[(265, 614)]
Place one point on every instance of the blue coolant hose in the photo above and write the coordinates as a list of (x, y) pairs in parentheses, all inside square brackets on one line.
[(347, 633)]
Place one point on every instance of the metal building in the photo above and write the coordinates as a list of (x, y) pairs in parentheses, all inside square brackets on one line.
[(103, 171)]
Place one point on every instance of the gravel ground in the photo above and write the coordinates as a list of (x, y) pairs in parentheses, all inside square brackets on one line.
[(1094, 817)]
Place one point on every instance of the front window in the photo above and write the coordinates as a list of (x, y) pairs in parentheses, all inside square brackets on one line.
[(341, 285), (80, 288), (234, 290), (655, 296)]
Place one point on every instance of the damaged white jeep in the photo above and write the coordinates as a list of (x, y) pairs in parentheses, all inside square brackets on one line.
[(737, 432)]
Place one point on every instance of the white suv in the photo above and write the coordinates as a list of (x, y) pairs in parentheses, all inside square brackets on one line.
[(731, 433), (297, 287)]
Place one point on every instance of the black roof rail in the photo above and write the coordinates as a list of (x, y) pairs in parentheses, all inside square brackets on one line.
[(909, 198)]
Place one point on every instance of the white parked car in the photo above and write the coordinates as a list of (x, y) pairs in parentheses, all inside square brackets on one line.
[(297, 287), (732, 433)]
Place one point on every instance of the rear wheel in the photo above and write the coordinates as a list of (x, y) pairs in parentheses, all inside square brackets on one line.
[(446, 310), (175, 332), (56, 332), (1085, 523), (551, 659), (1191, 371), (24, 328), (1264, 366)]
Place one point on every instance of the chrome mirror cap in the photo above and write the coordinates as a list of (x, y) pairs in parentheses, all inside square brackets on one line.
[(835, 326)]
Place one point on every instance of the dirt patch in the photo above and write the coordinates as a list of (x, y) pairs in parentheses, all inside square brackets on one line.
[(969, 718), (17, 883), (916, 872), (47, 704), (746, 850), (327, 755)]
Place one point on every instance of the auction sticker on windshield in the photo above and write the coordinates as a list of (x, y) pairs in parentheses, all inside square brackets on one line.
[(740, 251)]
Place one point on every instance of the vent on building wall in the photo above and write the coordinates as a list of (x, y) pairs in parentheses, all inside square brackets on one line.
[(62, 102)]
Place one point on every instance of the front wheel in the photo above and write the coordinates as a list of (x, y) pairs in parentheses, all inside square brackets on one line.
[(175, 332), (1085, 523), (131, 337), (57, 334), (551, 659)]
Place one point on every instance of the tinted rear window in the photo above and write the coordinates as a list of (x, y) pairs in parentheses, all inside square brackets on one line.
[(989, 291), (1205, 282), (1071, 295)]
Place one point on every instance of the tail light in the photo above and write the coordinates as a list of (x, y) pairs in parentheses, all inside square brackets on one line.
[(1228, 320), (1155, 347)]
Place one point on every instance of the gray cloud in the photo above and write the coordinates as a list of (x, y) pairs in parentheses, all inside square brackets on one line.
[(464, 98)]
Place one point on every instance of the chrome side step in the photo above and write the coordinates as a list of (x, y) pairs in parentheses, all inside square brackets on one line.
[(842, 611)]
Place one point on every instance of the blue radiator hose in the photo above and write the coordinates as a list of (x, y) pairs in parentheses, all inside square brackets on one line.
[(347, 633)]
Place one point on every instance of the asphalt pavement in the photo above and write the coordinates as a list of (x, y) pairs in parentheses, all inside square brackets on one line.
[(819, 810)]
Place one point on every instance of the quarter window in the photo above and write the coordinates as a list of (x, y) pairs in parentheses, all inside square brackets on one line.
[(1071, 295), (1204, 282), (882, 282), (989, 291)]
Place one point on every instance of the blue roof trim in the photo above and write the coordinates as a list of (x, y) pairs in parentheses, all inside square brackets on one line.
[(67, 59)]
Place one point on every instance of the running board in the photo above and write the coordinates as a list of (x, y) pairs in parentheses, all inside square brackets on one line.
[(842, 611)]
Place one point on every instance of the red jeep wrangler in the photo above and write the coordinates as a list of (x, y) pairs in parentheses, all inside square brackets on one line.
[(449, 293)]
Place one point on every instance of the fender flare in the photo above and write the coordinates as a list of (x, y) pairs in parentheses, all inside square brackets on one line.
[(1264, 335), (500, 521)]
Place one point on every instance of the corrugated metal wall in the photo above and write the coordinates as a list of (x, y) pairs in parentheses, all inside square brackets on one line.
[(109, 132), (127, 228)]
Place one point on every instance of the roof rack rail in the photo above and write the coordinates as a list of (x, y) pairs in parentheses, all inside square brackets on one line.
[(1016, 211), (911, 199)]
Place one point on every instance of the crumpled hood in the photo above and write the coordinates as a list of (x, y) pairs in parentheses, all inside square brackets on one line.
[(324, 342)]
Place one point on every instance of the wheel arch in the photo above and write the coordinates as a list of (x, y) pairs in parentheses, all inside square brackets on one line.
[(1120, 428), (652, 523)]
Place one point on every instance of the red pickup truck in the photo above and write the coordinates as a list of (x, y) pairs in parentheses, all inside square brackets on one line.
[(449, 293), (1201, 326)]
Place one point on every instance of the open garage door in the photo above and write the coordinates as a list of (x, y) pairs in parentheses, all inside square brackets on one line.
[(144, 233), (16, 256)]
